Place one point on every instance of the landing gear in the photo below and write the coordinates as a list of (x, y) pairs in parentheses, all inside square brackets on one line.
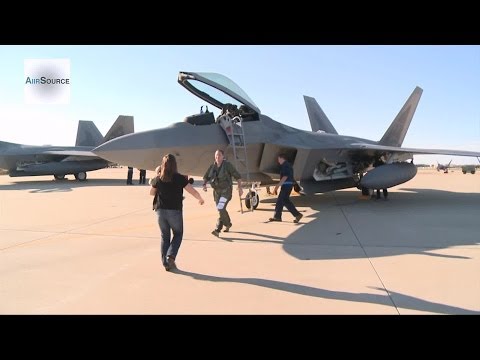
[(252, 199), (81, 176), (59, 177)]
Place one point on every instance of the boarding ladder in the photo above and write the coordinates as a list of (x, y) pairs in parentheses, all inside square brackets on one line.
[(236, 136)]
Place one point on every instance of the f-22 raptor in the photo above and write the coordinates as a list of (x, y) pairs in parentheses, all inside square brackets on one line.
[(443, 167), (322, 159), (32, 160)]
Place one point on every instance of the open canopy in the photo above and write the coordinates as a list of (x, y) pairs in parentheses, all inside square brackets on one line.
[(216, 89)]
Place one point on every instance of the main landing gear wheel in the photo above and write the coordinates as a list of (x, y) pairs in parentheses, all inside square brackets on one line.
[(252, 200), (59, 177), (81, 176)]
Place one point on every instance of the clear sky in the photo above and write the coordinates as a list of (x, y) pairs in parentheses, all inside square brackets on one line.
[(360, 88)]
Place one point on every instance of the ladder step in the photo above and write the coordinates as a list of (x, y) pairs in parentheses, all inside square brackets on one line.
[(236, 137)]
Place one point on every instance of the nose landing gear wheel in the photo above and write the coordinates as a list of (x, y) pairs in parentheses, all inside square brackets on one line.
[(81, 176), (252, 200)]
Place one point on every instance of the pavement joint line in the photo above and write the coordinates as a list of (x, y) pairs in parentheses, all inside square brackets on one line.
[(67, 231), (366, 256)]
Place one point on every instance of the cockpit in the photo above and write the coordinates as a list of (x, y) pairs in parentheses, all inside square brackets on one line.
[(221, 92)]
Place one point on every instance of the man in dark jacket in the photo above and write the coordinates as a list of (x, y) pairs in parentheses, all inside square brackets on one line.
[(286, 185)]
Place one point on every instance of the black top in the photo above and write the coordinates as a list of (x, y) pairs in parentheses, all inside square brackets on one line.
[(170, 194), (287, 170)]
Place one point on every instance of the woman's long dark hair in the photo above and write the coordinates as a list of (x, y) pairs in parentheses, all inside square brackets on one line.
[(169, 167)]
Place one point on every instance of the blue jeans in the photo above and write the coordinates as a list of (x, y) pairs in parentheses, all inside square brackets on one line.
[(170, 220), (284, 200)]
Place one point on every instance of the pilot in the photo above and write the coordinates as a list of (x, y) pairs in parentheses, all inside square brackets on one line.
[(220, 175)]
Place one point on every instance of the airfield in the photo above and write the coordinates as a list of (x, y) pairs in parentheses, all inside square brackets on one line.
[(93, 247)]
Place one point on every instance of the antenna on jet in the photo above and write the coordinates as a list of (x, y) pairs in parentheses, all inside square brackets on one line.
[(201, 109)]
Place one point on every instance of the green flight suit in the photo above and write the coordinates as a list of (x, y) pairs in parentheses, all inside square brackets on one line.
[(220, 179)]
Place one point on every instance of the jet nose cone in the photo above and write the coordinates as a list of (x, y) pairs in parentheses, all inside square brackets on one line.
[(112, 145), (121, 150), (144, 150)]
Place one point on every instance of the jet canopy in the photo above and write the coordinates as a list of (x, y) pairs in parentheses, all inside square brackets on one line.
[(216, 89)]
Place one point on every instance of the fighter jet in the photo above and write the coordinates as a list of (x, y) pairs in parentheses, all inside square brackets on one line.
[(31, 160), (322, 159), (443, 167)]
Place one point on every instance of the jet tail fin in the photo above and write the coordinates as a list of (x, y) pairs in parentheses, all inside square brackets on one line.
[(88, 134), (122, 126), (318, 120), (395, 134)]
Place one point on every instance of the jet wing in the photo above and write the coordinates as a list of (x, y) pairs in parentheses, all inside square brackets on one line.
[(365, 146)]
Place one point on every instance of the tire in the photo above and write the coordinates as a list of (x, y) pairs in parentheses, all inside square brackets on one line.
[(464, 172), (81, 176), (252, 199), (473, 171), (59, 176)]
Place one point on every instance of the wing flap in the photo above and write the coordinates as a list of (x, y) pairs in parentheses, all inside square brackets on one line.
[(365, 146)]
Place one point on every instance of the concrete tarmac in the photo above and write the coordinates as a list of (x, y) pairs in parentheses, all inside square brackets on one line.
[(93, 247)]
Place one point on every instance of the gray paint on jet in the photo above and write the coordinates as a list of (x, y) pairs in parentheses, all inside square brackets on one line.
[(88, 134), (318, 120), (322, 161), (31, 160)]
